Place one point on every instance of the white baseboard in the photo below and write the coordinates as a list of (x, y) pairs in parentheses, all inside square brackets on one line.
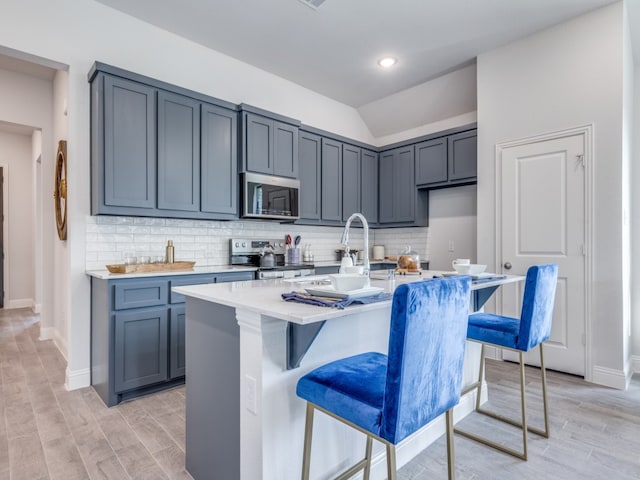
[(77, 379), (609, 377), (47, 333), (20, 303)]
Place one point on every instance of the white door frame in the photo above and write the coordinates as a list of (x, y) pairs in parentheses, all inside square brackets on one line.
[(587, 132)]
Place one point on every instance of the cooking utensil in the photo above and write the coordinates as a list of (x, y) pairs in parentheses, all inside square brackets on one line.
[(297, 240), (287, 240)]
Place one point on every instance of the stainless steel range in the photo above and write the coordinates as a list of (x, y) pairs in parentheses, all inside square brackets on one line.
[(249, 252)]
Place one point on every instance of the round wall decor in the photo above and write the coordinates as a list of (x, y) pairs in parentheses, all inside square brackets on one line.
[(60, 191)]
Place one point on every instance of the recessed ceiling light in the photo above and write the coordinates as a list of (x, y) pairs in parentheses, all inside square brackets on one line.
[(387, 62)]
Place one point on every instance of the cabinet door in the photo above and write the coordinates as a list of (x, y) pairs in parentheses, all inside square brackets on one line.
[(369, 185), (351, 186), (309, 170), (431, 162), (219, 161), (259, 143), (178, 152), (129, 144), (404, 185), (331, 180), (140, 348), (385, 212), (285, 150), (463, 156), (177, 361)]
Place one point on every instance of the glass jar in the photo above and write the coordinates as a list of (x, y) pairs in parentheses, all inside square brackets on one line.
[(409, 260)]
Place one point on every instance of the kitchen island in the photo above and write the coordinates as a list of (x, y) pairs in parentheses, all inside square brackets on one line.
[(243, 418)]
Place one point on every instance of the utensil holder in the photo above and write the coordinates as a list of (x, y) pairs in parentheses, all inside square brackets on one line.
[(293, 256)]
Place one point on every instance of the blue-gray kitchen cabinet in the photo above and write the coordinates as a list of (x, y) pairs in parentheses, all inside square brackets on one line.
[(463, 156), (140, 345), (137, 333), (270, 146), (158, 150), (309, 170), (219, 161), (397, 186), (331, 183), (178, 152), (447, 161), (123, 145), (431, 162), (369, 185), (351, 181)]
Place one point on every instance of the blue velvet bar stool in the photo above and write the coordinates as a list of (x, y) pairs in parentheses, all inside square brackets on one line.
[(520, 335), (390, 397)]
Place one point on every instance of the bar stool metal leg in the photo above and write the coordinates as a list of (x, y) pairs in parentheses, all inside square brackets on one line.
[(308, 434), (451, 468)]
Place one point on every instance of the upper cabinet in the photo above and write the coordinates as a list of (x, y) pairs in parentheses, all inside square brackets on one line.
[(331, 181), (336, 180), (397, 187), (160, 151), (447, 161), (269, 145), (178, 152), (123, 144), (310, 168)]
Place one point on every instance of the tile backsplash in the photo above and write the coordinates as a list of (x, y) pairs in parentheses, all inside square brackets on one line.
[(207, 242)]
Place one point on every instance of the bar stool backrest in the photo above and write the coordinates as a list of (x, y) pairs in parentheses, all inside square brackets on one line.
[(537, 306), (426, 353)]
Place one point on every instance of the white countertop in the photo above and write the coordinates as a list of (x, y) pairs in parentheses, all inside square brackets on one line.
[(106, 275), (264, 297)]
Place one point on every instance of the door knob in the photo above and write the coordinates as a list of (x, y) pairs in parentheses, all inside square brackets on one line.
[(507, 265)]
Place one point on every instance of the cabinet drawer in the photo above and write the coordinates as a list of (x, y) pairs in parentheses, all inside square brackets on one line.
[(181, 282), (146, 293), (235, 277)]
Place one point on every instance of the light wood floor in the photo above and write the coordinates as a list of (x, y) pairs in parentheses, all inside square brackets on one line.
[(47, 432)]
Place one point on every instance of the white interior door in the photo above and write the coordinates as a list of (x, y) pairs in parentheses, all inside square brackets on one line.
[(542, 186)]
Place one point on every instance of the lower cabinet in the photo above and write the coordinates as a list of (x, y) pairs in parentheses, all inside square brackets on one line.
[(140, 344), (138, 333)]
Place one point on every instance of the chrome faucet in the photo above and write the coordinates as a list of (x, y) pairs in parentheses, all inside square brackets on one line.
[(345, 239)]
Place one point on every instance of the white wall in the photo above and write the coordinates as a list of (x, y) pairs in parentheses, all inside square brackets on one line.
[(15, 158), (563, 77), (452, 219), (635, 226)]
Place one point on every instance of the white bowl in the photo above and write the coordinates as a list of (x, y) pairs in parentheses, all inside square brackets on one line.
[(471, 269), (346, 282), (357, 269)]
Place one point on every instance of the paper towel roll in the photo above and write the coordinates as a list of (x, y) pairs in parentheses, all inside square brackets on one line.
[(378, 252)]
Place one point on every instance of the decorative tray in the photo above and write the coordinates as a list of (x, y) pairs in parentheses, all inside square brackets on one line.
[(150, 267), (329, 292)]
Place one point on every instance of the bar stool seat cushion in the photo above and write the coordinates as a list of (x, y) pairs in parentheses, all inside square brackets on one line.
[(495, 329), (333, 388)]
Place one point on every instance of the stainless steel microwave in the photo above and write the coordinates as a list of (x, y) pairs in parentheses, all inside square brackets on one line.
[(266, 196)]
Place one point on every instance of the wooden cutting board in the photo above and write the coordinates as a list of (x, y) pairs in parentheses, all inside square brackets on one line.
[(150, 267)]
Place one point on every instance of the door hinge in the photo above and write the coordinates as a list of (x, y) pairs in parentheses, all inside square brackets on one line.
[(584, 339), (581, 160), (584, 250)]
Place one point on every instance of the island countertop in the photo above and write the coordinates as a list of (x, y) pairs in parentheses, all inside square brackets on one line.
[(264, 296)]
